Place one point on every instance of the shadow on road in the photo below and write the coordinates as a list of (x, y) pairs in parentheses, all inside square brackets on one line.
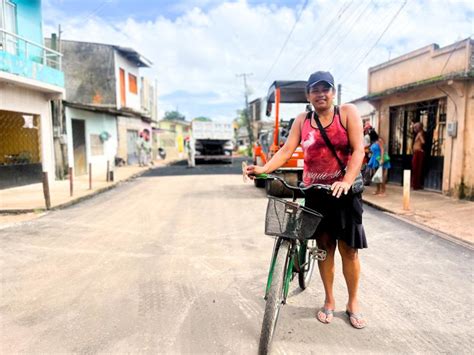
[(214, 168)]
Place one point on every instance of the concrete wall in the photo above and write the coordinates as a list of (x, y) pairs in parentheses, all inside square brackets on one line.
[(468, 168), (26, 101), (131, 100), (95, 123), (425, 63), (458, 151), (89, 73)]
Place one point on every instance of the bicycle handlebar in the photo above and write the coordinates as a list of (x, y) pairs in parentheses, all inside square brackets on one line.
[(291, 187)]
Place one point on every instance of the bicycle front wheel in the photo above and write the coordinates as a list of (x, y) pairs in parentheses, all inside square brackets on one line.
[(306, 263), (275, 297)]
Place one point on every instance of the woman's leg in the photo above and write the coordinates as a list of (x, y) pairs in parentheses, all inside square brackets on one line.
[(326, 270), (384, 181), (351, 271)]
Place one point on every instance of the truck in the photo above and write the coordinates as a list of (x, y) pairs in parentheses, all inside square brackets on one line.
[(281, 92), (212, 141)]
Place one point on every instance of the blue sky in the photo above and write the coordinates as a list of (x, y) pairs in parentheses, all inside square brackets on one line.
[(199, 46)]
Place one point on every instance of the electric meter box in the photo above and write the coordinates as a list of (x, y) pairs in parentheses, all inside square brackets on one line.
[(452, 129)]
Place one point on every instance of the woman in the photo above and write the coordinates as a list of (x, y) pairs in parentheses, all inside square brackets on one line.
[(342, 225), (418, 156), (378, 156)]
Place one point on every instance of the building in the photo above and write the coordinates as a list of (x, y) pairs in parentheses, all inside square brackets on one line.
[(366, 111), (170, 135), (108, 105), (434, 86), (30, 77)]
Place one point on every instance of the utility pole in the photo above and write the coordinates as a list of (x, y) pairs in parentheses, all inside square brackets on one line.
[(246, 111), (339, 88)]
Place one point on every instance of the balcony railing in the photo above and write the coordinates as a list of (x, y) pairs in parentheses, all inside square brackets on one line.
[(23, 47)]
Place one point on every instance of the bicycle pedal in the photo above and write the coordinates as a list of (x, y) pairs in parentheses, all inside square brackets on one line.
[(319, 254)]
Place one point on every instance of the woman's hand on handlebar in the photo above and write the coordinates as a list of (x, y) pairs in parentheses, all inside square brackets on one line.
[(340, 187), (253, 170)]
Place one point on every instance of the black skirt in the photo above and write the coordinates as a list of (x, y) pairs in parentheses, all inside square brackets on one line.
[(342, 217)]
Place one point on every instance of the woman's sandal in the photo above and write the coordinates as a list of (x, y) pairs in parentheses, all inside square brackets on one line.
[(356, 320), (324, 314)]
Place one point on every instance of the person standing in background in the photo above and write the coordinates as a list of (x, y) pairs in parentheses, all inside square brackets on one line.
[(379, 157), (418, 157)]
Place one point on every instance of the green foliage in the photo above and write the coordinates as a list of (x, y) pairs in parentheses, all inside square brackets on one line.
[(174, 115), (202, 119)]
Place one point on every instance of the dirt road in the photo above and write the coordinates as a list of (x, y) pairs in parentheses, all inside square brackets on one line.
[(176, 261)]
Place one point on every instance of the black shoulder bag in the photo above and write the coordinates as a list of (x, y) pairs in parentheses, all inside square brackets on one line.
[(358, 184)]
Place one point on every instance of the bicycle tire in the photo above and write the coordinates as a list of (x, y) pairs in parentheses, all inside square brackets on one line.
[(274, 298), (306, 263)]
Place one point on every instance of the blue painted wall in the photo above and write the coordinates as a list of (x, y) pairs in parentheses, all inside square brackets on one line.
[(30, 25)]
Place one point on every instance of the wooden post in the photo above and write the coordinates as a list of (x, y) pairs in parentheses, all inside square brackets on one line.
[(406, 189), (47, 197), (90, 176), (71, 182), (108, 172)]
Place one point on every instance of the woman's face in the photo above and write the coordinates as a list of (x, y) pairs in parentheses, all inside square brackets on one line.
[(321, 96)]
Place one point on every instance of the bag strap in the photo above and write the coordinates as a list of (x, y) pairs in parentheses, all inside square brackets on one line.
[(328, 142)]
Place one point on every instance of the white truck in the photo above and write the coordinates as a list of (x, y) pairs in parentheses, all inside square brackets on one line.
[(212, 141)]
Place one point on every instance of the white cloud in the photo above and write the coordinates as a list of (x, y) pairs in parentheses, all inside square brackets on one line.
[(201, 51)]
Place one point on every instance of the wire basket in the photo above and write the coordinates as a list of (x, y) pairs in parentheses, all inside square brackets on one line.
[(290, 220)]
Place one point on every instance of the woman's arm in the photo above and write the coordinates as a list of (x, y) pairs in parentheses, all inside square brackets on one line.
[(284, 153), (356, 141), (381, 143)]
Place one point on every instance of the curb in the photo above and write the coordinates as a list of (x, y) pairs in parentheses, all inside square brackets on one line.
[(422, 226), (75, 200)]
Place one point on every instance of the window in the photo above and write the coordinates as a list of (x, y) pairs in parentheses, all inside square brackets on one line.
[(132, 84), (97, 146), (8, 23)]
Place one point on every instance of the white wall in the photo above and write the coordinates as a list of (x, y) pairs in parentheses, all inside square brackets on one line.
[(95, 123), (27, 101), (131, 100)]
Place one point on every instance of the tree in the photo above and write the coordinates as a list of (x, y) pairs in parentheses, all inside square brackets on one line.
[(174, 115), (202, 119)]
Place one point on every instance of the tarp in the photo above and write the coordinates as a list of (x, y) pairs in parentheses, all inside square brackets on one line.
[(290, 91)]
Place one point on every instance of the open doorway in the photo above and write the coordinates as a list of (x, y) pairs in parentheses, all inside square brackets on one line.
[(79, 147)]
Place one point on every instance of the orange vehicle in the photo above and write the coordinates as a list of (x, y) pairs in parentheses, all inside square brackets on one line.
[(281, 92)]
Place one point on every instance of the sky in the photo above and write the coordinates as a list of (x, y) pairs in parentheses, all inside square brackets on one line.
[(200, 47)]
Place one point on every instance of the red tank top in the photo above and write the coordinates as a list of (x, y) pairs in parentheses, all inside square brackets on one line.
[(320, 164)]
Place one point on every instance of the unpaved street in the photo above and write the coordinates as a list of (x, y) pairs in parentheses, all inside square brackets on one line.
[(176, 262)]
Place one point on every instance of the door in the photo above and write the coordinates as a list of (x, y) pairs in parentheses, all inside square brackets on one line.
[(132, 151), (123, 92), (79, 147), (433, 118)]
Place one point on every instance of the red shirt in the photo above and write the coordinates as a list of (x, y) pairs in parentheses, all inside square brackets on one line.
[(320, 165)]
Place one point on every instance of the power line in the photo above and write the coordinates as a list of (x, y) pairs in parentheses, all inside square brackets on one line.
[(378, 39), (286, 40), (344, 36), (316, 43)]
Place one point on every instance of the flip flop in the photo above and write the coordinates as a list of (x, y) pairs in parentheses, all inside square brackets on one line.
[(356, 320), (323, 315)]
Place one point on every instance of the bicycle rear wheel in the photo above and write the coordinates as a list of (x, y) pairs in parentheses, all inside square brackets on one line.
[(306, 263), (275, 297)]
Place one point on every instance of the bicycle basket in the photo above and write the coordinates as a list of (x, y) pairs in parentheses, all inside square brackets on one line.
[(290, 220)]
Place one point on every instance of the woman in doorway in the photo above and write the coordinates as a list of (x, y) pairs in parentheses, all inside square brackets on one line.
[(418, 156), (342, 228), (379, 157)]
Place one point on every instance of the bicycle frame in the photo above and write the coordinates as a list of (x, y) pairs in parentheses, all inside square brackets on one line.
[(293, 256)]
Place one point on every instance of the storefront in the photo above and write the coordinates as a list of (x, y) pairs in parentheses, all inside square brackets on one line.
[(432, 116), (20, 153)]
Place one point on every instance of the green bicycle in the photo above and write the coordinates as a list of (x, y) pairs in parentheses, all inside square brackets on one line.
[(294, 253)]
